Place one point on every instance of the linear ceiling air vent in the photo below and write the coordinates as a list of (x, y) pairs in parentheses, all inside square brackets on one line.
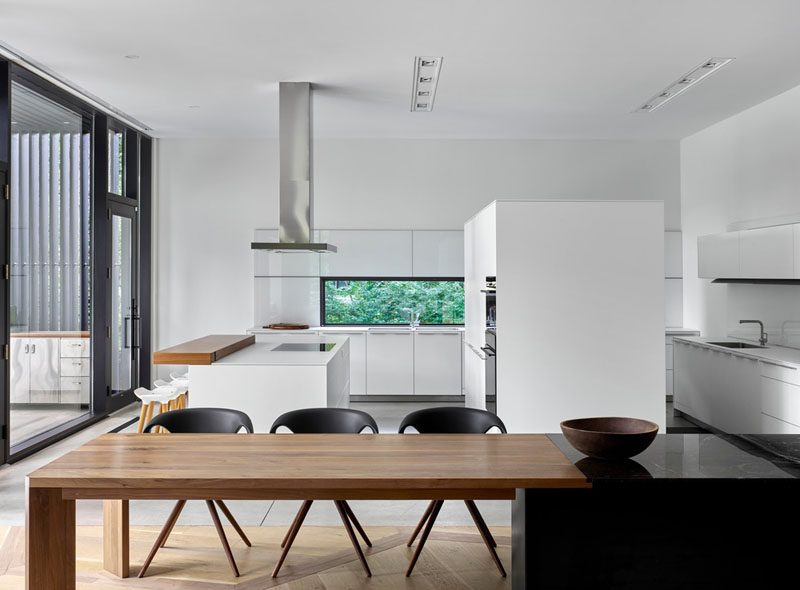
[(426, 79), (683, 83)]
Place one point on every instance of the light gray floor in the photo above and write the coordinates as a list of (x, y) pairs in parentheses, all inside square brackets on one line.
[(27, 421), (248, 513)]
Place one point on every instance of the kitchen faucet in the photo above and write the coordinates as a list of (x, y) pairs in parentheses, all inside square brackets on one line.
[(762, 340)]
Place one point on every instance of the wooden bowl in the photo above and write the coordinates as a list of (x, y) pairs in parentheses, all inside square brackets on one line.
[(609, 438)]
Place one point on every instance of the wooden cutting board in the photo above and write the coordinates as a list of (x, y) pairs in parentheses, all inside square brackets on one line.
[(287, 327)]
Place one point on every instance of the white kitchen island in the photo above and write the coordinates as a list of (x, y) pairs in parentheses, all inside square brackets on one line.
[(264, 380)]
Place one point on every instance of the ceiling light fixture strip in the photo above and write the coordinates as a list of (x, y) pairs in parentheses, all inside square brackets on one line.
[(685, 82), (426, 79)]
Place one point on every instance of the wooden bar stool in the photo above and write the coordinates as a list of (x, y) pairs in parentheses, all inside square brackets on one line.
[(167, 399), (182, 385)]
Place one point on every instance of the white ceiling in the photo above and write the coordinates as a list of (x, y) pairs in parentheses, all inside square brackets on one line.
[(512, 68)]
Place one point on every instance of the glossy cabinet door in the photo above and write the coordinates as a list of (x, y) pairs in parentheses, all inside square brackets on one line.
[(438, 253), (44, 359), (366, 253), (718, 256), (20, 371), (437, 363), (75, 390), (767, 253), (390, 362)]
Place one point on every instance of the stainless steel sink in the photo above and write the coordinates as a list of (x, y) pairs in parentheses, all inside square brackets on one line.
[(736, 345)]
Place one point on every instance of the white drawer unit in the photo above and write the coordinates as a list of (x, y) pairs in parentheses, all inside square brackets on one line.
[(74, 347), (75, 390), (76, 367), (390, 362), (437, 362), (781, 400)]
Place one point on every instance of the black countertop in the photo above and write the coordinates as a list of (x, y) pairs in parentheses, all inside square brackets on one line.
[(692, 457)]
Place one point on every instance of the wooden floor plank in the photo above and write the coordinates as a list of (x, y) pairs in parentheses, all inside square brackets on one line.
[(321, 559)]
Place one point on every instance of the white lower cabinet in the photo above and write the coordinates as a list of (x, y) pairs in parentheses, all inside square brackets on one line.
[(44, 370), (437, 363), (390, 362), (358, 359), (75, 390), (735, 394), (50, 370)]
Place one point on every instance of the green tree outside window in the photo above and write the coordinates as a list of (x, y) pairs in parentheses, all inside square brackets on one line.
[(387, 301)]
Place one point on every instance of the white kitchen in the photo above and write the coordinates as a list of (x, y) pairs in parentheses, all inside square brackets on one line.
[(443, 263)]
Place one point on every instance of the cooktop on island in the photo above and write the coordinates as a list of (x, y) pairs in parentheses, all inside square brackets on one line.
[(305, 347)]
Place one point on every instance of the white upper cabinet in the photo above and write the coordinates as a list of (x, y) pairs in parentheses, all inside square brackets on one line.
[(366, 253), (438, 253), (673, 255), (767, 253), (761, 253), (718, 256)]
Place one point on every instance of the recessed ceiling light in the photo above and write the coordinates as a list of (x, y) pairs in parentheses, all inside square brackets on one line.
[(683, 83), (425, 83), (131, 56), (193, 106)]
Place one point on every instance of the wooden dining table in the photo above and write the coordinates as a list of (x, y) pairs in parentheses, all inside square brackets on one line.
[(120, 467)]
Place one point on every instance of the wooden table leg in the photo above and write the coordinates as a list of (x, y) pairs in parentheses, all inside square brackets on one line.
[(116, 540), (49, 540)]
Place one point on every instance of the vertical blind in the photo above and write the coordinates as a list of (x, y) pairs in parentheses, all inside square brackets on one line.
[(50, 230)]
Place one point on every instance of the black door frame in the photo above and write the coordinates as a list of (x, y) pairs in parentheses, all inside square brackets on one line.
[(122, 207), (138, 181)]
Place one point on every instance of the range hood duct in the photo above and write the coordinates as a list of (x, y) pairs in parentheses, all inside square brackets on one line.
[(296, 173)]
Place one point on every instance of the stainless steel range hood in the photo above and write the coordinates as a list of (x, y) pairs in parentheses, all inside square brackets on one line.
[(297, 178)]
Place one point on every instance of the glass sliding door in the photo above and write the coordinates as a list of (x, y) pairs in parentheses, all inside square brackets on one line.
[(50, 253), (124, 318)]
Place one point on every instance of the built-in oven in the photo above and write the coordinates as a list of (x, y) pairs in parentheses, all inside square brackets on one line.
[(490, 350)]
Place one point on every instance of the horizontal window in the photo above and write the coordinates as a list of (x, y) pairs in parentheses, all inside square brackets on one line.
[(388, 301)]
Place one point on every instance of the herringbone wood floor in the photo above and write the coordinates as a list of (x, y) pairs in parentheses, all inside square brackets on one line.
[(321, 559)]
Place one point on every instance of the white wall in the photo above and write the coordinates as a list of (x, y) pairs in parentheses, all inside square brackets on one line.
[(212, 194), (740, 172)]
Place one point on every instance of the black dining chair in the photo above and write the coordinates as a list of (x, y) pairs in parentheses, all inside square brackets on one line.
[(202, 421), (452, 420), (326, 421)]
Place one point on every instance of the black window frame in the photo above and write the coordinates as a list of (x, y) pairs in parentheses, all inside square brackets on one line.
[(323, 280), (137, 186)]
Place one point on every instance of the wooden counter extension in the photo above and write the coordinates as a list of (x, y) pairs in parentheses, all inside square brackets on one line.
[(203, 351)]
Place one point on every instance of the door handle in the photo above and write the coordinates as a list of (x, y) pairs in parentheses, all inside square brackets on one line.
[(33, 349), (27, 348), (488, 351), (125, 331), (136, 336)]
